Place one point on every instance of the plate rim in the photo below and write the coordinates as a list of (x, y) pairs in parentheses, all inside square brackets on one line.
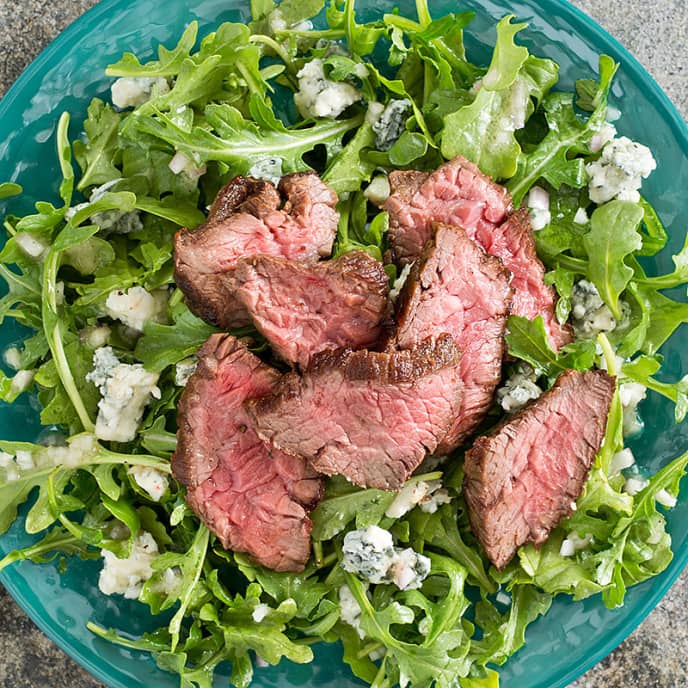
[(630, 64)]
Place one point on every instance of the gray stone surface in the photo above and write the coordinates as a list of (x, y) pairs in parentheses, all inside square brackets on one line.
[(656, 654)]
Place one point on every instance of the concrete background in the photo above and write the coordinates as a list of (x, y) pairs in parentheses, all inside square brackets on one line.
[(656, 654)]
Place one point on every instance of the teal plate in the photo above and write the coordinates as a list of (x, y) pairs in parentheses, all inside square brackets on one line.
[(573, 636)]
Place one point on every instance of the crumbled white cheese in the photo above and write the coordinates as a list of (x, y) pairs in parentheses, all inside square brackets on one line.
[(118, 222), (182, 164), (374, 112), (32, 246), (22, 381), (409, 569), (391, 124), (260, 611), (371, 555), (136, 306), (665, 499), (127, 576), (134, 91), (12, 357), (399, 282), (184, 370), (350, 610), (125, 391), (620, 461), (368, 553), (150, 480), (434, 501), (589, 314), (518, 389), (605, 133), (619, 171), (269, 169), (428, 494), (95, 336), (319, 96), (538, 208), (573, 543), (377, 192), (633, 486), (630, 395), (24, 460), (581, 217)]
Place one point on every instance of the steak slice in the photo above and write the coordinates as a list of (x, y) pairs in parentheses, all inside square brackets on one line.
[(368, 416), (456, 193), (522, 479), (455, 287), (252, 496), (303, 309), (514, 243), (249, 218)]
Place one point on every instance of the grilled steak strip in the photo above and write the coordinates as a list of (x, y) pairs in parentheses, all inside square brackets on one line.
[(303, 309), (457, 193), (522, 479), (249, 217), (455, 287), (369, 416), (252, 496)]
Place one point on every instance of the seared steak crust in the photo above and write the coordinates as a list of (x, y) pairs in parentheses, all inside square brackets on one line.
[(249, 217), (303, 309), (455, 287), (521, 480), (252, 496), (369, 416)]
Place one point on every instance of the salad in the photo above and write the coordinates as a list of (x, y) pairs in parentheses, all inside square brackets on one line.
[(91, 277)]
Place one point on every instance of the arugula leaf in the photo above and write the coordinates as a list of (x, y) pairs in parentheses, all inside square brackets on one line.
[(567, 135), (240, 143), (164, 345), (349, 168), (613, 236), (99, 155), (484, 130), (169, 62), (641, 370)]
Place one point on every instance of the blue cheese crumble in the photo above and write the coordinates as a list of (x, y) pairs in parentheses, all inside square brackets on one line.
[(136, 306), (125, 391), (370, 554), (520, 388), (134, 91), (590, 315), (127, 576), (619, 172), (319, 96), (391, 123)]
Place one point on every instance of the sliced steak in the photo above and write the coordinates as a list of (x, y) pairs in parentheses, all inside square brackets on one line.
[(303, 309), (457, 193), (513, 242), (249, 217), (455, 287), (521, 480), (369, 416), (252, 496)]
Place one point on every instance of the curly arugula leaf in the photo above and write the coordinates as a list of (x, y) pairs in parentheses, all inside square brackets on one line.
[(240, 143), (612, 237), (552, 158), (98, 156), (642, 369), (169, 62)]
